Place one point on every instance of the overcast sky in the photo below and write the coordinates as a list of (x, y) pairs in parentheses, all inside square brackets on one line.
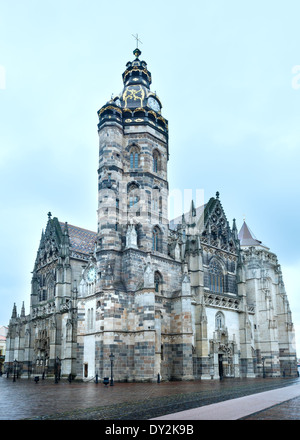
[(228, 76)]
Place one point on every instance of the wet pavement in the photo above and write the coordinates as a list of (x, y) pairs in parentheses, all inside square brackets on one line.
[(24, 399), (239, 408), (289, 410)]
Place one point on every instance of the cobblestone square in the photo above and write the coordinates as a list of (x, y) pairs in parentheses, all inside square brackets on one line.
[(47, 400)]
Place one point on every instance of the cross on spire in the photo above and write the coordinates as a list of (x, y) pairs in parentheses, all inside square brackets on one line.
[(137, 40)]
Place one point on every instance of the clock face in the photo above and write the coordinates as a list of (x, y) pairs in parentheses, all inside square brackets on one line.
[(153, 103), (91, 276)]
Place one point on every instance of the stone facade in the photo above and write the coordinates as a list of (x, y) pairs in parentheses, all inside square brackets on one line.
[(186, 299)]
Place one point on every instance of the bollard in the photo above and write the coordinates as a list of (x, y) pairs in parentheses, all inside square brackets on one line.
[(106, 381), (36, 379), (158, 378)]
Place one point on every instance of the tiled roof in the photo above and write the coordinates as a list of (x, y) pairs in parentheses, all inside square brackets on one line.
[(82, 240), (247, 238)]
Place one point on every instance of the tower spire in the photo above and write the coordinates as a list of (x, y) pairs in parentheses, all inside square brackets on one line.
[(23, 310), (234, 230), (14, 311), (247, 238), (193, 209)]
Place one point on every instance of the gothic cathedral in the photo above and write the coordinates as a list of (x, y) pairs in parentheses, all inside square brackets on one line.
[(184, 299)]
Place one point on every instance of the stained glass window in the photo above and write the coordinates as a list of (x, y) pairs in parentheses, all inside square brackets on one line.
[(215, 277)]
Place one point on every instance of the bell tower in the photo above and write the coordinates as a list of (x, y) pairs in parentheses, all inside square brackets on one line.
[(132, 173)]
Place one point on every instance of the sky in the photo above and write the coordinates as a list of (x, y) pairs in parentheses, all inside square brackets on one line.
[(228, 76)]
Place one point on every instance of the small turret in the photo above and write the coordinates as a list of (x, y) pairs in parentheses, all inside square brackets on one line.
[(65, 244), (23, 310), (14, 312), (234, 231), (247, 238)]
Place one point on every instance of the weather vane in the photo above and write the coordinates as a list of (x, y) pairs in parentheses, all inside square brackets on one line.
[(137, 40)]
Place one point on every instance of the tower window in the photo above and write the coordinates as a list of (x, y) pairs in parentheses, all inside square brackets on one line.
[(156, 239), (134, 158), (133, 198), (155, 164), (156, 161)]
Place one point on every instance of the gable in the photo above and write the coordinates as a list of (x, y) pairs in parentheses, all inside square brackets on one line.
[(59, 236)]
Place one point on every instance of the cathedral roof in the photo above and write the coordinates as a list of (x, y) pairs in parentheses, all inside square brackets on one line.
[(247, 238), (81, 240)]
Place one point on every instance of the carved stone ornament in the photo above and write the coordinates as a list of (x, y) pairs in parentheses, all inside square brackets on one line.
[(131, 237), (148, 274)]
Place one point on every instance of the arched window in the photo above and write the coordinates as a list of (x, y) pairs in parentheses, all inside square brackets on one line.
[(134, 157), (216, 277), (133, 194), (157, 282), (156, 161), (220, 321), (50, 285), (156, 239)]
